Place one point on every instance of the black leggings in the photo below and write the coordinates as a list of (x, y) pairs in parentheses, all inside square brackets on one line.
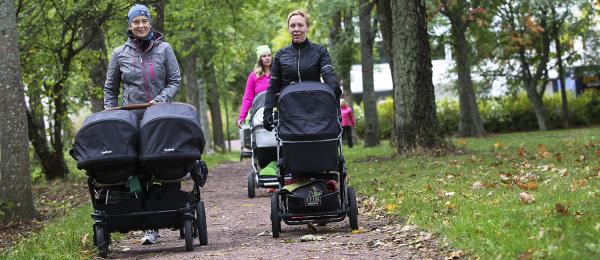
[(347, 134)]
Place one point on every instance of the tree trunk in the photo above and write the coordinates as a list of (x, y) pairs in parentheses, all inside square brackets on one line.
[(385, 15), (159, 18), (366, 58), (60, 116), (15, 179), (538, 105), (341, 42), (214, 104), (415, 119), (190, 76), (95, 36), (561, 69), (469, 119), (203, 111)]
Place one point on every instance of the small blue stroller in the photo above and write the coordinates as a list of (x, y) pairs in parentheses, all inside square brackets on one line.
[(130, 166), (310, 148)]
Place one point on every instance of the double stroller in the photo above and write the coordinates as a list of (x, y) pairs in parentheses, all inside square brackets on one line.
[(310, 150), (135, 171), (264, 150)]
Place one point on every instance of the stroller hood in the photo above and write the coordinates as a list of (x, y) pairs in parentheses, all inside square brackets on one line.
[(170, 131), (308, 111), (110, 135)]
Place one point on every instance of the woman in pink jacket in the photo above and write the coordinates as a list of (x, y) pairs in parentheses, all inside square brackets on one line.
[(348, 122), (258, 80)]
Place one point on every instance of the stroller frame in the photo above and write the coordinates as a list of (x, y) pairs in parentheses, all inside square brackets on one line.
[(190, 219), (347, 197)]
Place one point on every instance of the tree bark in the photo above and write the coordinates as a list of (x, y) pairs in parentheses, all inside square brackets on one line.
[(469, 119), (561, 70), (415, 119), (15, 179), (159, 20), (95, 36), (203, 111), (366, 57), (384, 9), (190, 76)]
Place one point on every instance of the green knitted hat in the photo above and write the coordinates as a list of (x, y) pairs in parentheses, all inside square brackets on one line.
[(261, 50)]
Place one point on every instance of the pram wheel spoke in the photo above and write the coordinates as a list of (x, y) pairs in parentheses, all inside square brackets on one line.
[(275, 218), (251, 185), (352, 209)]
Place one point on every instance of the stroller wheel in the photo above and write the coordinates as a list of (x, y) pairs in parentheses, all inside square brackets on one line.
[(353, 209), (101, 240), (189, 238), (275, 218), (201, 223), (251, 185)]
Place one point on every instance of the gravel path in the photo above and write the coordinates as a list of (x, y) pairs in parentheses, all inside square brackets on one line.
[(239, 228)]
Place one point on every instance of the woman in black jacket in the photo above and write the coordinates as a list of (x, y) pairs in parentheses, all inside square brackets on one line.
[(300, 61)]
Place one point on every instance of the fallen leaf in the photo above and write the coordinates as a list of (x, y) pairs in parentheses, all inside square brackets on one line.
[(598, 227), (455, 255), (558, 157), (521, 152), (563, 172), (248, 205), (84, 239), (561, 209), (498, 145), (581, 158), (541, 233), (598, 152), (477, 185), (309, 238), (526, 198), (461, 141), (541, 149), (358, 231), (449, 194), (390, 207)]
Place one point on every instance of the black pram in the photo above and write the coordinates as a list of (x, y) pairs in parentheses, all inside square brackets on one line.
[(309, 132), (128, 165)]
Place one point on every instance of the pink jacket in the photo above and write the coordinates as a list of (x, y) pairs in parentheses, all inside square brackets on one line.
[(347, 116), (253, 86)]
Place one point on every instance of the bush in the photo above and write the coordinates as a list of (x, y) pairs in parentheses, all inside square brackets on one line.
[(499, 115)]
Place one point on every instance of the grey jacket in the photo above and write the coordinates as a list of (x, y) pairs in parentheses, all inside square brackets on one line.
[(149, 75)]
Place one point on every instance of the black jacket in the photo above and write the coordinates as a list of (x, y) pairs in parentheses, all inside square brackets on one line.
[(300, 62)]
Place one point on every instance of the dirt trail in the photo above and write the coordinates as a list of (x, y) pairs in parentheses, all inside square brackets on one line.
[(239, 228)]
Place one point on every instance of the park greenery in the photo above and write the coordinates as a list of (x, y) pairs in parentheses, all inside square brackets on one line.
[(458, 166)]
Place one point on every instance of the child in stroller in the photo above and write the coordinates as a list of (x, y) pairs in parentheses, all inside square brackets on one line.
[(310, 148), (127, 164), (264, 151)]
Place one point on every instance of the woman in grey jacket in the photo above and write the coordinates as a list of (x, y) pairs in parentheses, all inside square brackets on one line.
[(145, 65), (149, 71)]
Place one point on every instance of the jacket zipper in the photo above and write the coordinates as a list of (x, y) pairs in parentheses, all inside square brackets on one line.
[(299, 78)]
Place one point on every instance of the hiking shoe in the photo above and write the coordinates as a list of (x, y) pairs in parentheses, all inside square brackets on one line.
[(151, 237)]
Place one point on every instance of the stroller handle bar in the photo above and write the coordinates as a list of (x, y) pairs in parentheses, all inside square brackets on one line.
[(132, 106)]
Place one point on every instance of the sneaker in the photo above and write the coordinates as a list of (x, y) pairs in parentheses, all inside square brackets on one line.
[(271, 190), (151, 237)]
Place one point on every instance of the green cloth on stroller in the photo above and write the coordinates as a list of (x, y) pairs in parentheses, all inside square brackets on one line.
[(291, 187), (269, 170)]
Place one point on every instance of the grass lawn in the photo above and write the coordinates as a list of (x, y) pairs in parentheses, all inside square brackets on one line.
[(531, 195), (71, 236)]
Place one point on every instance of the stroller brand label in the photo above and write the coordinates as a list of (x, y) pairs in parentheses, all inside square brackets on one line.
[(105, 152), (313, 198), (168, 149)]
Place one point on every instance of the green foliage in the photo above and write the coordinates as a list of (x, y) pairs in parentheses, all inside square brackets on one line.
[(68, 238), (508, 114), (473, 201)]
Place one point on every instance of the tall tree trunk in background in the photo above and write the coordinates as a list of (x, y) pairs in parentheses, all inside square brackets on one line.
[(366, 60), (158, 20), (341, 42), (561, 70), (384, 9), (190, 76), (15, 178), (415, 119), (203, 110), (469, 123), (214, 103), (97, 66)]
